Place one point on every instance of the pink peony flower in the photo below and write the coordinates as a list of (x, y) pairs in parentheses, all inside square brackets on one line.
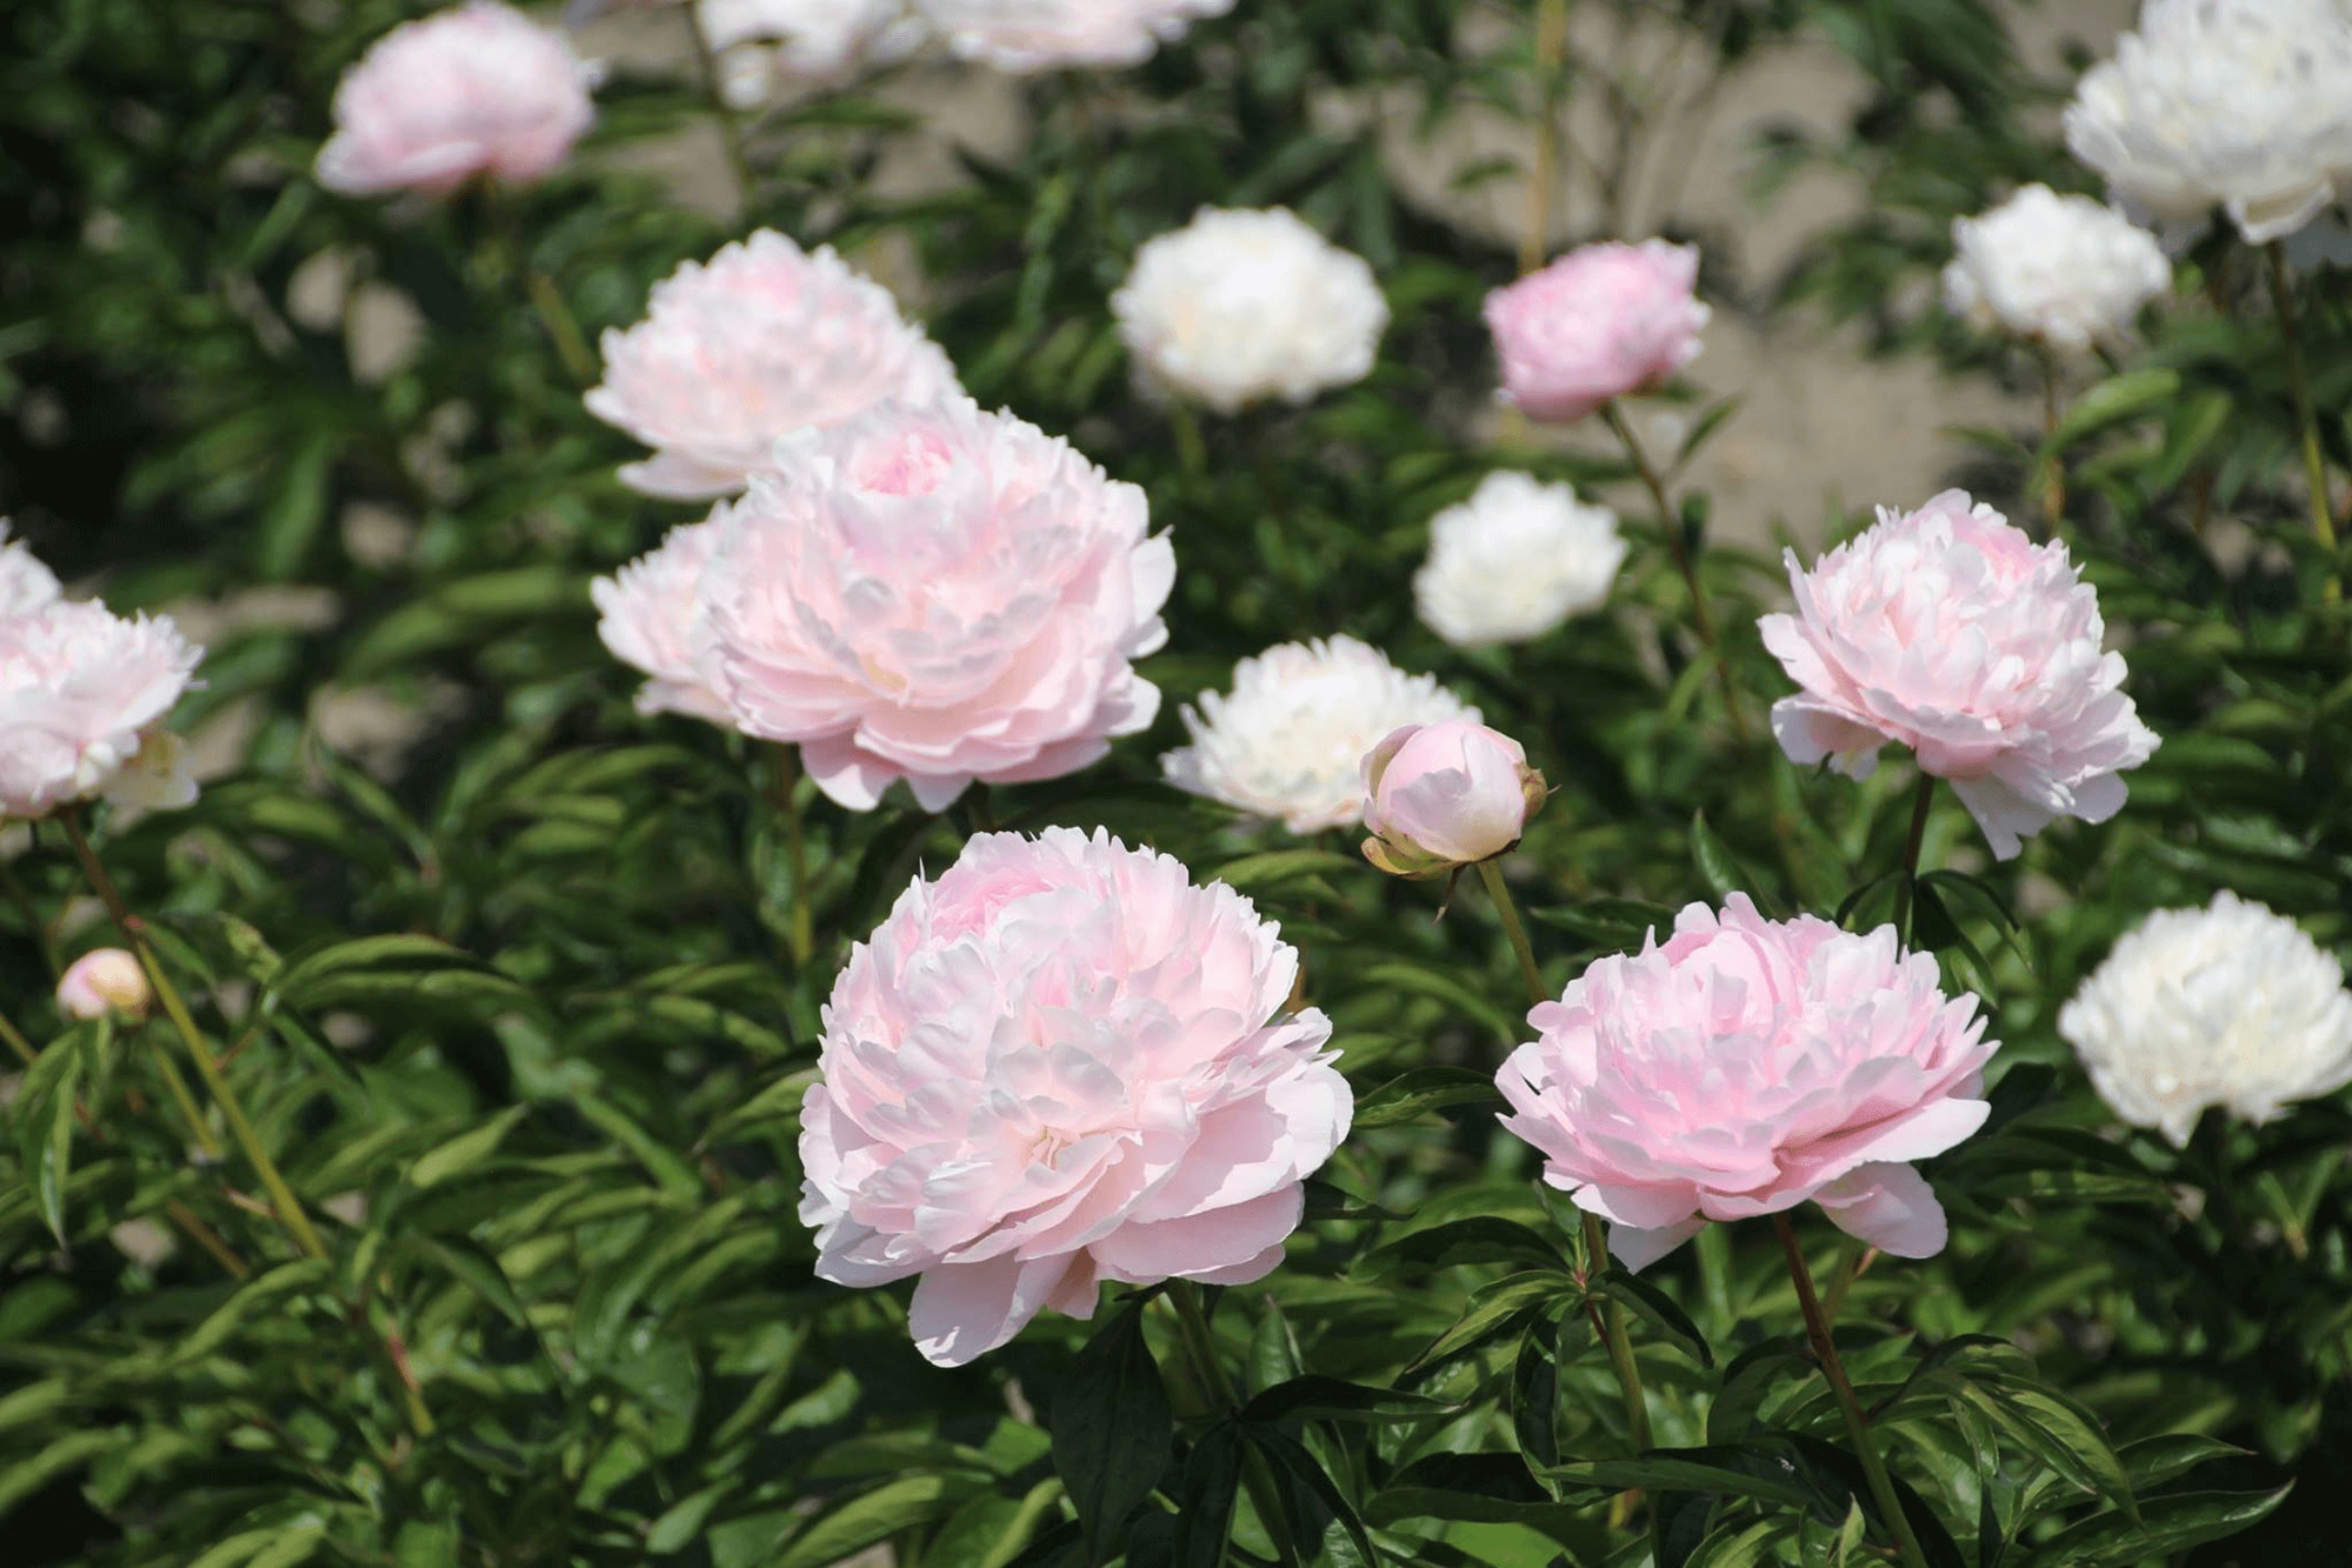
[(1438, 796), (481, 89), (1601, 322), (760, 340), (101, 981), (1029, 35), (1744, 1067), (1061, 1064), (80, 690), (647, 618), (26, 585), (1950, 632), (939, 595)]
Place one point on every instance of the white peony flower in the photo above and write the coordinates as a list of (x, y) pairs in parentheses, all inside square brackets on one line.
[(26, 585), (764, 43), (2230, 1006), (1239, 307), (2065, 270), (1030, 36), (1514, 562), (2245, 104), (1288, 741)]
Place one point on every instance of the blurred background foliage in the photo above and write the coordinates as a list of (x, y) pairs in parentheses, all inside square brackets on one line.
[(505, 971)]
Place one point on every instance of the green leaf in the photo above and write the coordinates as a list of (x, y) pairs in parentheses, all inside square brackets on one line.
[(2111, 403), (681, 1524), (44, 1114), (1716, 867), (873, 1517), (465, 1151), (1660, 1309), (1498, 1308), (1416, 1094), (2057, 1431), (1740, 1470), (1474, 1488), (1277, 866), (1741, 1546), (1458, 1243), (1113, 1431), (1320, 1399), (2166, 1526), (1213, 1479)]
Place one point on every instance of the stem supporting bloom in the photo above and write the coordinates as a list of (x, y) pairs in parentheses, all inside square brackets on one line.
[(282, 1196), (1670, 523), (1922, 804), (1491, 874), (1551, 50), (795, 853), (1857, 1425), (2298, 381)]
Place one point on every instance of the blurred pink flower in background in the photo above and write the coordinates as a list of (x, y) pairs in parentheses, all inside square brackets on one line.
[(753, 344), (1600, 322), (1028, 35), (1057, 1065), (80, 690), (480, 89), (1744, 1067), (1950, 632), (1438, 796), (938, 595), (647, 618), (101, 981)]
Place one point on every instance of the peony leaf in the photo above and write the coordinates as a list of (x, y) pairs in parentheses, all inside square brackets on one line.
[(1413, 1094), (1314, 1398), (2166, 1526), (1480, 1238), (1113, 1431), (1660, 1309)]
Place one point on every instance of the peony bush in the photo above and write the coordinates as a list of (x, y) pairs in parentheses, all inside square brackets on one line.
[(1029, 784)]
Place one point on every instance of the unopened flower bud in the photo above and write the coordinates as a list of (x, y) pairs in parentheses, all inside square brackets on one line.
[(1438, 796)]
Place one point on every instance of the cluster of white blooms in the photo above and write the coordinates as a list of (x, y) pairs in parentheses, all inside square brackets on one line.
[(1515, 560)]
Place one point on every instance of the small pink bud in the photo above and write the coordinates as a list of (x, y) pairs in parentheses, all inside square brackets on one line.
[(1438, 796), (102, 981)]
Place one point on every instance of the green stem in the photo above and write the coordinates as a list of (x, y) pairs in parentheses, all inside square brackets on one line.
[(1857, 1425), (16, 1042), (188, 1109), (572, 346), (796, 851), (1921, 804), (2298, 381), (1670, 523), (1621, 1349), (1489, 875), (289, 1209), (1208, 1371), (2053, 476), (1551, 48)]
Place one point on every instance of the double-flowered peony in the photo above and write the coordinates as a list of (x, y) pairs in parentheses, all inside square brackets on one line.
[(1514, 562), (1744, 1067), (1447, 795), (26, 585), (84, 694), (759, 341), (1241, 307), (933, 594), (2064, 271), (767, 44), (102, 981), (478, 90), (2231, 1006), (1058, 1065), (1603, 321), (1289, 740), (648, 618), (1031, 35), (1950, 632), (2240, 104)]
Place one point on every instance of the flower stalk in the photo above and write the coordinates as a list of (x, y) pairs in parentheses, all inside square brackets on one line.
[(1208, 1373), (1857, 1424), (2298, 381)]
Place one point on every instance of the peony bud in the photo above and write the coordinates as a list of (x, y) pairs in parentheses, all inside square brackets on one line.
[(1439, 796), (101, 981)]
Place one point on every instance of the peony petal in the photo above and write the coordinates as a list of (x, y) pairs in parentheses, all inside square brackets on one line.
[(1199, 1245), (962, 1310), (1638, 1248), (1890, 1206)]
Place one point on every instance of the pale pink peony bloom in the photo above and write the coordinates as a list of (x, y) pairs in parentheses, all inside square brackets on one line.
[(646, 615), (759, 341), (1062, 1064), (1744, 1067), (1031, 35), (1600, 322), (1948, 631), (480, 89), (938, 595), (80, 689), (101, 981), (1445, 795), (26, 585)]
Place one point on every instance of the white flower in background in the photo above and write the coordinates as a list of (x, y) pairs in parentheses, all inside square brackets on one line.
[(1243, 306), (2065, 270), (765, 45), (1028, 35), (26, 585), (2230, 1006), (759, 341), (1289, 740), (1514, 562), (2244, 104)]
